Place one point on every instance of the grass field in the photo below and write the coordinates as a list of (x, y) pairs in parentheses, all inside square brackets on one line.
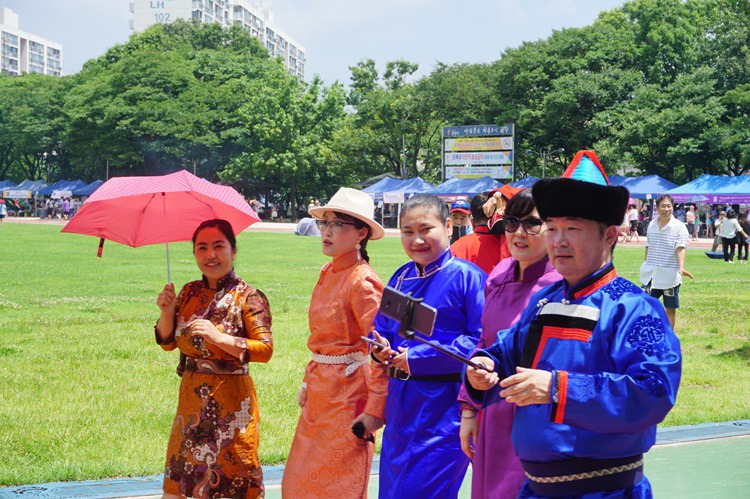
[(86, 393)]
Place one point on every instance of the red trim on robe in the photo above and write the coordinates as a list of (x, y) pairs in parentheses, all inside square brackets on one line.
[(562, 396), (606, 278), (560, 333)]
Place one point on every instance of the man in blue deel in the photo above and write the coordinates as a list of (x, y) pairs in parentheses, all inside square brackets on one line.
[(593, 364)]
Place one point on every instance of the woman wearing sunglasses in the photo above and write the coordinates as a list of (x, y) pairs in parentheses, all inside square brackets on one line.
[(497, 471)]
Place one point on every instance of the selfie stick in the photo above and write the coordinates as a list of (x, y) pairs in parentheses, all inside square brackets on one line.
[(403, 330)]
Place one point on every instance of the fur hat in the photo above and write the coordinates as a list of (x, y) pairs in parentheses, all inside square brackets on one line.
[(583, 191), (356, 204)]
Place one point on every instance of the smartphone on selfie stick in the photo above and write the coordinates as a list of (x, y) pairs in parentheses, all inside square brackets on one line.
[(415, 317)]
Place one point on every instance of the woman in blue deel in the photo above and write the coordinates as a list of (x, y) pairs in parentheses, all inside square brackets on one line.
[(421, 454)]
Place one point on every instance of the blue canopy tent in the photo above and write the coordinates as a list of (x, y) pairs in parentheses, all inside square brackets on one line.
[(89, 189), (381, 186), (465, 186), (412, 186), (62, 185), (31, 185), (718, 189), (396, 188), (407, 186), (642, 187), (7, 184), (525, 182)]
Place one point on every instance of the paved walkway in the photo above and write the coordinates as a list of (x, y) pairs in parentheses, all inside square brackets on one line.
[(697, 461)]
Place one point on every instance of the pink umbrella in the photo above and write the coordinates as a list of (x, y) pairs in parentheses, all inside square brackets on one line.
[(138, 211)]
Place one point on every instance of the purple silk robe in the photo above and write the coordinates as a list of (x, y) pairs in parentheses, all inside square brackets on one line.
[(497, 472)]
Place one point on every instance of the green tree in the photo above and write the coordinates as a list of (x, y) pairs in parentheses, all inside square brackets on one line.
[(31, 126)]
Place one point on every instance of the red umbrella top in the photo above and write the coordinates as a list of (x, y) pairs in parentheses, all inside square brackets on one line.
[(138, 211)]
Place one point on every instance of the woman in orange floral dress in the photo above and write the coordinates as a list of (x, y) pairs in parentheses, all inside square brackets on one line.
[(340, 387), (219, 323)]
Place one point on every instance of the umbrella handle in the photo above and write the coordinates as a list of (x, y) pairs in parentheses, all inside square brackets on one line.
[(169, 273), (166, 239)]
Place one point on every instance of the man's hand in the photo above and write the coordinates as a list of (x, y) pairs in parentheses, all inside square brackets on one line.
[(527, 386), (686, 273)]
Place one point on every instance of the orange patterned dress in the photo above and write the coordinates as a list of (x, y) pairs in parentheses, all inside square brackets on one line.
[(213, 447), (326, 459)]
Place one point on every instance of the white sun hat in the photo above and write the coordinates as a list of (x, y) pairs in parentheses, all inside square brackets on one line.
[(354, 203)]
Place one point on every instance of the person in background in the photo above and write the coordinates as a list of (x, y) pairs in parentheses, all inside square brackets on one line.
[(340, 388), (710, 224), (75, 205), (481, 247), (742, 245), (592, 365), (664, 263), (3, 211), (460, 214), (633, 222), (421, 454), (646, 213), (496, 471), (494, 208), (679, 213), (690, 219), (624, 229), (717, 230), (49, 208), (66, 208), (220, 324), (730, 231)]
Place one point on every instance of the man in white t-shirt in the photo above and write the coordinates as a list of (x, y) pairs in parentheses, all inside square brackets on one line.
[(664, 265)]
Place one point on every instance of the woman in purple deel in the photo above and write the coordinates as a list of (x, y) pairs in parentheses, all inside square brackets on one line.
[(497, 472)]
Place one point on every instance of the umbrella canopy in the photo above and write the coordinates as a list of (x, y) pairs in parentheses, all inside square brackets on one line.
[(697, 198), (138, 211)]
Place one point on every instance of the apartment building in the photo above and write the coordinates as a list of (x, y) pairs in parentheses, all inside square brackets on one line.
[(22, 52), (246, 13)]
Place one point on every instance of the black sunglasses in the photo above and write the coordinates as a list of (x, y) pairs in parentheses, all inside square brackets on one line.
[(530, 225)]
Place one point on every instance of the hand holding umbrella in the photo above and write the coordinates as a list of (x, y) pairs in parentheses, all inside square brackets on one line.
[(167, 300)]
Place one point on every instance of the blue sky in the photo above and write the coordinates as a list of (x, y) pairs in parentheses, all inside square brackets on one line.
[(339, 33)]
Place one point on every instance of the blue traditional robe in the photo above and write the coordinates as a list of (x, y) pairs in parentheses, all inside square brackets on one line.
[(615, 364), (421, 454)]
